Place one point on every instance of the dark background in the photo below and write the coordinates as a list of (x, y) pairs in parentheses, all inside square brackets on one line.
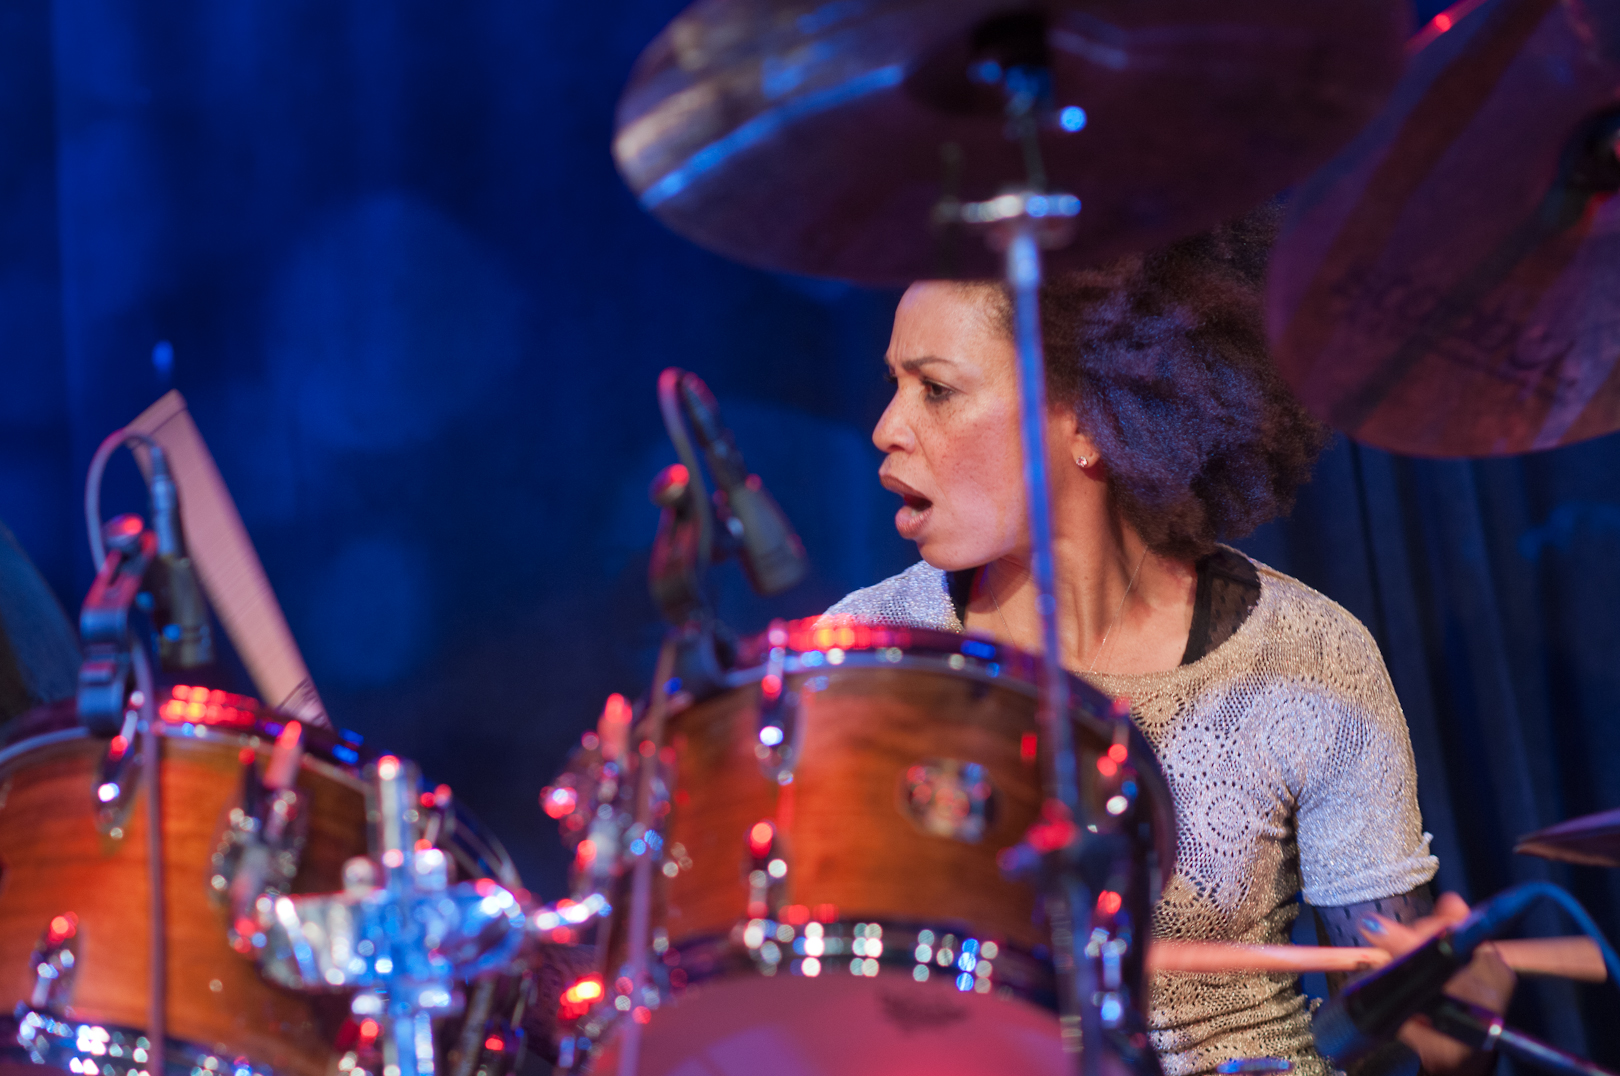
[(419, 321)]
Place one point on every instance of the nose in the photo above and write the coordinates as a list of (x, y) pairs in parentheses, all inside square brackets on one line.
[(892, 432)]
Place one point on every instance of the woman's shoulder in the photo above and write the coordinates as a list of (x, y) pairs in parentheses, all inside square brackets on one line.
[(918, 597), (1321, 632)]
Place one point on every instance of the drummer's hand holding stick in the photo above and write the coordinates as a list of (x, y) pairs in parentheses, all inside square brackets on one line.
[(1486, 981)]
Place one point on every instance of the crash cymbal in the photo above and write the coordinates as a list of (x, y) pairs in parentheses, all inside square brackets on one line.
[(1450, 285), (1593, 840), (818, 137)]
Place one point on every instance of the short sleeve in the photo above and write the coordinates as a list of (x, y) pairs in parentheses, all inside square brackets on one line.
[(1359, 829)]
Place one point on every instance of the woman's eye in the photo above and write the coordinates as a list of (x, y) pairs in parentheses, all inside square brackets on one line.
[(888, 375), (933, 390)]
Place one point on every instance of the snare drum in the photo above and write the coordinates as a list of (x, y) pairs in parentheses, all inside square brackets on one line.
[(74, 905), (829, 898)]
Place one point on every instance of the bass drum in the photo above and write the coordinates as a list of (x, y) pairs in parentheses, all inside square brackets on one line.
[(830, 899), (74, 899)]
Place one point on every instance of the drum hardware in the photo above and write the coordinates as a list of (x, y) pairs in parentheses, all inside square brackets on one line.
[(778, 745), (92, 1049), (694, 531), (55, 960), (263, 837), (767, 872), (104, 628), (117, 778), (1479, 1028), (399, 931)]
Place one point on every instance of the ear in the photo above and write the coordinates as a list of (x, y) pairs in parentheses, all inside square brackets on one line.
[(1065, 429)]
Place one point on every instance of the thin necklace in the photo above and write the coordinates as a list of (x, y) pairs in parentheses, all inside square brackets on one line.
[(1117, 613)]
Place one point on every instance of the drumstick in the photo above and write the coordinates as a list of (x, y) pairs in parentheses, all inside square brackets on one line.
[(229, 565), (1568, 958)]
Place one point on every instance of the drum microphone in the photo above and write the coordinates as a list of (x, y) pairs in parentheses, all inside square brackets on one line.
[(1370, 1011), (185, 641), (772, 555)]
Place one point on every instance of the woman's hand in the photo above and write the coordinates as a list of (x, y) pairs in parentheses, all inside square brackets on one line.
[(1486, 981)]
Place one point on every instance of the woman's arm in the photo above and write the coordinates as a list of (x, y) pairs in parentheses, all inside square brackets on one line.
[(1398, 925)]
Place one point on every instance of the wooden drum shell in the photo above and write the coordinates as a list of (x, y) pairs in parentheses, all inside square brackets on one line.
[(54, 860), (841, 823)]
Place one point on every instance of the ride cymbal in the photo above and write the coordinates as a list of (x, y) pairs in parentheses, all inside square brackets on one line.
[(1450, 285), (818, 138)]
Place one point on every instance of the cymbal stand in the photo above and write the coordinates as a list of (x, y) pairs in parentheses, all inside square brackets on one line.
[(1020, 222)]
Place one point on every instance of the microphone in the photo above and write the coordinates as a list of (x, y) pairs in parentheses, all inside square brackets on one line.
[(1370, 1011), (185, 640), (772, 555)]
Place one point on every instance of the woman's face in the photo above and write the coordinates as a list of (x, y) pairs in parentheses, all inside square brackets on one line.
[(950, 434)]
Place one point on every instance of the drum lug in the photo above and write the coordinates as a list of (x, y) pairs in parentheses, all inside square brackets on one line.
[(259, 851), (777, 745), (117, 778), (55, 962), (767, 871)]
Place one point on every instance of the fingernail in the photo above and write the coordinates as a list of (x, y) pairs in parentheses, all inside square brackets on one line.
[(1371, 925)]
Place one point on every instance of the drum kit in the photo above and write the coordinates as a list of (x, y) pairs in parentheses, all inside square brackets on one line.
[(832, 847)]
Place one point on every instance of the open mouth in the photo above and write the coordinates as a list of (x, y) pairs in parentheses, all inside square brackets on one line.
[(914, 508), (913, 515)]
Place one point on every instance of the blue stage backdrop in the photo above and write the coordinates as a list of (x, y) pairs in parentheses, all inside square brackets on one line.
[(382, 250)]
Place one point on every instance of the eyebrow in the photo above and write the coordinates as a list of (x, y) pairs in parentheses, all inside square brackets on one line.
[(911, 366)]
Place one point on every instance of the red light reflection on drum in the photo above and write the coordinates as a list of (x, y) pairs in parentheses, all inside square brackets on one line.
[(1107, 766), (1026, 747), (494, 1044), (760, 838), (116, 749), (200, 705), (369, 1029), (585, 854), (1119, 752), (771, 686), (1108, 902), (577, 999), (559, 801), (63, 927)]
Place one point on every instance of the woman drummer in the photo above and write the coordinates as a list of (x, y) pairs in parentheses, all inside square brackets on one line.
[(1268, 705)]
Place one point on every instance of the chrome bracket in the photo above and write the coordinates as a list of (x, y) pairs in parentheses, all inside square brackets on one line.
[(56, 962)]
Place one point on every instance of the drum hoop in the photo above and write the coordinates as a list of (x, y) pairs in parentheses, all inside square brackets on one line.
[(208, 733), (1087, 705)]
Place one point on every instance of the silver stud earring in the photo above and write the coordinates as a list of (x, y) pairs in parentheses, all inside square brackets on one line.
[(1082, 461)]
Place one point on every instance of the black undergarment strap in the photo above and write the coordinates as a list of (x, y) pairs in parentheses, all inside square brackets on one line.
[(1228, 591)]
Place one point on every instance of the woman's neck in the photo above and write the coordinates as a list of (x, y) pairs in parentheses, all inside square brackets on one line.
[(1121, 608)]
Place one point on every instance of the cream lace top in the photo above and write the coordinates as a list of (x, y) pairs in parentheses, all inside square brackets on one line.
[(1291, 769)]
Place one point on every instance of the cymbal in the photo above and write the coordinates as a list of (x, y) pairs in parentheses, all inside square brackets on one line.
[(1593, 840), (817, 138), (1450, 284)]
